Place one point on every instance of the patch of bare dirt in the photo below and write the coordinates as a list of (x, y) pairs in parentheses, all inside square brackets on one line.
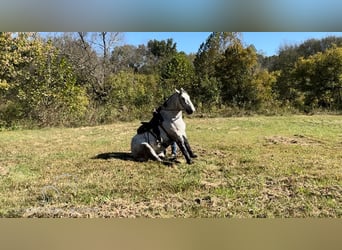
[(296, 140), (219, 153), (3, 171)]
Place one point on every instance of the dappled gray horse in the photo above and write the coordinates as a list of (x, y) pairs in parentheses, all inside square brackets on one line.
[(166, 126)]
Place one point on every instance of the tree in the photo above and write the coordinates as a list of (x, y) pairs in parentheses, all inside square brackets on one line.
[(263, 81), (319, 78), (313, 46), (124, 58), (81, 56), (162, 49), (131, 92), (97, 48), (143, 59), (132, 58), (106, 41), (285, 61), (206, 86), (177, 72), (212, 51), (158, 53), (15, 55), (236, 71), (41, 84)]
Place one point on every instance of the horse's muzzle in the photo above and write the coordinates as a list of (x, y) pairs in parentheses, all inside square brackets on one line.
[(189, 111)]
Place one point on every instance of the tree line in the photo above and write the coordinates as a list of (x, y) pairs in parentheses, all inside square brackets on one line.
[(89, 78)]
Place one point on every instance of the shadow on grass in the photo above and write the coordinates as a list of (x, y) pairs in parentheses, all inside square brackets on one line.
[(115, 155), (125, 156)]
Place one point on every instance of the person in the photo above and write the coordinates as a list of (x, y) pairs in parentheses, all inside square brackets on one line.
[(173, 150)]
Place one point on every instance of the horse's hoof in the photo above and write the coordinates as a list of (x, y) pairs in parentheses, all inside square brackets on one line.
[(173, 158), (194, 156), (176, 161), (168, 163)]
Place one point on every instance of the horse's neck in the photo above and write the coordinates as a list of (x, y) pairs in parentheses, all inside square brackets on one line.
[(172, 103), (172, 122), (171, 115), (170, 110)]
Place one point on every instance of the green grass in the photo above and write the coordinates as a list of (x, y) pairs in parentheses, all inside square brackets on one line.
[(249, 167)]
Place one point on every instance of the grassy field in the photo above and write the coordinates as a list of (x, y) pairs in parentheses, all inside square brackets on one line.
[(286, 166)]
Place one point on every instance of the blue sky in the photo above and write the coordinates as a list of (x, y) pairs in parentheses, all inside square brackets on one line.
[(267, 43)]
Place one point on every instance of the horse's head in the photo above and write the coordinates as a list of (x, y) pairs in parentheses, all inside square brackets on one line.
[(185, 101)]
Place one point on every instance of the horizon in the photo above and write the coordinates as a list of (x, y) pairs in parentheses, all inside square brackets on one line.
[(266, 43)]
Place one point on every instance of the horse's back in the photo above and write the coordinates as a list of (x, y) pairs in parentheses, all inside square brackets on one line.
[(135, 142)]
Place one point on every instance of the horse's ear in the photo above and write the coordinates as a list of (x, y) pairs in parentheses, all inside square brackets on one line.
[(177, 91), (182, 90)]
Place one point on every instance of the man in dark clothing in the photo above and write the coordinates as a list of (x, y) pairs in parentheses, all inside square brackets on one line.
[(152, 125)]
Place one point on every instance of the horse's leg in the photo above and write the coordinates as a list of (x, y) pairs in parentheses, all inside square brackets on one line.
[(150, 152), (182, 147), (187, 145), (154, 156)]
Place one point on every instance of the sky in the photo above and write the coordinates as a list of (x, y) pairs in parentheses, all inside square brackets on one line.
[(266, 43)]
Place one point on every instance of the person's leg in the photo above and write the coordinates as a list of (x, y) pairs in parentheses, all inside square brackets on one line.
[(174, 149)]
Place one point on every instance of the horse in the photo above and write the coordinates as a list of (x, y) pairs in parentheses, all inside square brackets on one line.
[(168, 121)]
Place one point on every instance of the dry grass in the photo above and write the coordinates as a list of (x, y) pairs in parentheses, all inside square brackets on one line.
[(247, 167)]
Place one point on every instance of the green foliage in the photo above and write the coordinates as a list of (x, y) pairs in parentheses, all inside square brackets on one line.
[(209, 66), (319, 78), (229, 74), (236, 72), (211, 51), (162, 49), (177, 72), (206, 93), (132, 96), (287, 87), (40, 85), (126, 58), (263, 82), (51, 94), (73, 79)]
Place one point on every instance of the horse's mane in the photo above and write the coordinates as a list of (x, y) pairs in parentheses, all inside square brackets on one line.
[(167, 100)]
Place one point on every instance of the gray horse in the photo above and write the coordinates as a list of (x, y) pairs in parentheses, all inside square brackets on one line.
[(166, 126)]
